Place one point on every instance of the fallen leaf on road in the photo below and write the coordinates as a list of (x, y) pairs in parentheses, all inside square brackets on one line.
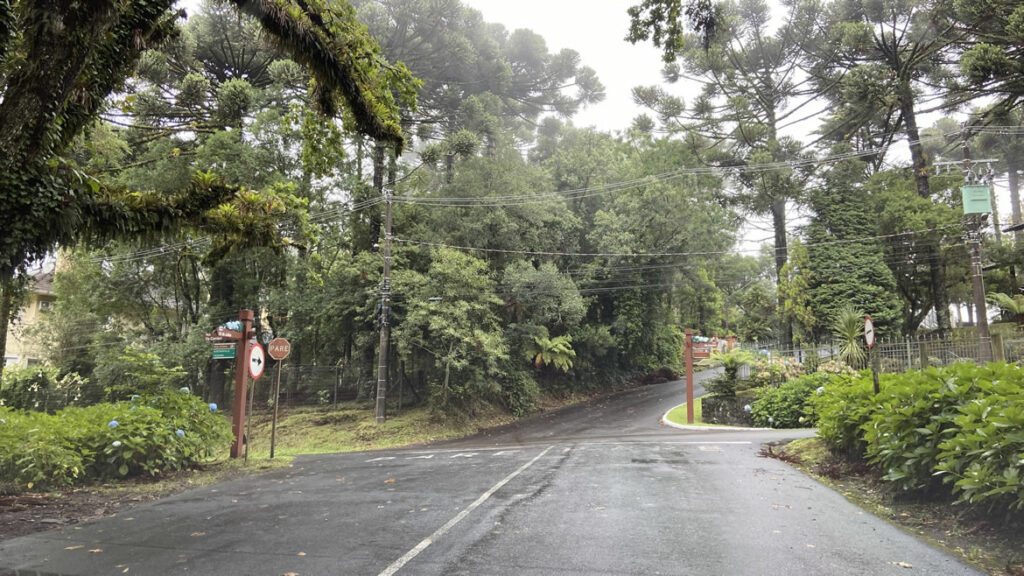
[(198, 534), (74, 547), (342, 479), (95, 550), (389, 481), (902, 564), (302, 553), (290, 574)]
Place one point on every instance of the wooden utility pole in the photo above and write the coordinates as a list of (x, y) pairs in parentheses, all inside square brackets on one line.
[(974, 219), (974, 230), (688, 357), (241, 380)]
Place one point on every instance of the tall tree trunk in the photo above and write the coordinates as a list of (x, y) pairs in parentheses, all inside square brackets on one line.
[(6, 311), (781, 257), (936, 265), (1014, 185)]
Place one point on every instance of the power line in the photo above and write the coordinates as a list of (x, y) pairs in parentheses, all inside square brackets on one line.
[(659, 254)]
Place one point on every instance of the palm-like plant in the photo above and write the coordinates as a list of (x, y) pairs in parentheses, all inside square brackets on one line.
[(1009, 305), (848, 328), (556, 352)]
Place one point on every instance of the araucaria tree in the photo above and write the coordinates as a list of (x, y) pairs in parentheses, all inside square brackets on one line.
[(59, 62)]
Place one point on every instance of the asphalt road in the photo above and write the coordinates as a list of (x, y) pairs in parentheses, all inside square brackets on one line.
[(602, 489)]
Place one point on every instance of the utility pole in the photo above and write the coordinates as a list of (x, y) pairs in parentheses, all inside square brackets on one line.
[(974, 219), (385, 308)]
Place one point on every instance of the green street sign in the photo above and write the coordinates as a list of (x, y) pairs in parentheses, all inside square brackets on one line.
[(977, 199), (223, 350)]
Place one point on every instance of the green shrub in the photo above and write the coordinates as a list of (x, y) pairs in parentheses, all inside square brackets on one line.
[(788, 405), (963, 424), (520, 392), (983, 460), (842, 409), (146, 435), (35, 453), (916, 413), (39, 388)]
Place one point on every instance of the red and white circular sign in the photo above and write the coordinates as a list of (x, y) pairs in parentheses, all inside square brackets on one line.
[(256, 361), (869, 331)]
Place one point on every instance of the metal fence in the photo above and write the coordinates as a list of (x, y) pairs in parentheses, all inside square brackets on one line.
[(910, 353)]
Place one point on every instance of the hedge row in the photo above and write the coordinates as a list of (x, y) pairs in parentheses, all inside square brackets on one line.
[(146, 435), (958, 428)]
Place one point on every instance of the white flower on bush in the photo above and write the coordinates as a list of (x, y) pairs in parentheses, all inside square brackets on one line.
[(116, 443), (112, 424), (213, 406), (180, 432), (184, 390), (820, 390)]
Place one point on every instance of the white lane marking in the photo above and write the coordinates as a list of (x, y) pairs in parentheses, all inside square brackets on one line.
[(506, 452), (463, 455), (381, 459), (427, 457), (398, 564)]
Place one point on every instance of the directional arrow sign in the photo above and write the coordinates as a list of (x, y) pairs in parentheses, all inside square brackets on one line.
[(256, 361)]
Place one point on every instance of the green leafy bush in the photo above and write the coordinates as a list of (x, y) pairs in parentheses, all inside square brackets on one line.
[(34, 452), (788, 405), (146, 435), (842, 409), (983, 460), (916, 413), (39, 388), (962, 424), (520, 392), (731, 362)]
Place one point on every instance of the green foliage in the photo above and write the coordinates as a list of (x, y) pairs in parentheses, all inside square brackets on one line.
[(146, 435), (554, 352), (842, 411), (774, 370), (732, 360), (985, 457), (847, 271), (136, 372), (39, 388), (789, 405), (848, 328), (960, 425), (1012, 306), (520, 391)]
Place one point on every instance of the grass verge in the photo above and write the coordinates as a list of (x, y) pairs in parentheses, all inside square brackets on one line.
[(353, 428), (992, 542)]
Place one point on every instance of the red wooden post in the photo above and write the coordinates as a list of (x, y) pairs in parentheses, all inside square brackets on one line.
[(688, 355), (241, 380)]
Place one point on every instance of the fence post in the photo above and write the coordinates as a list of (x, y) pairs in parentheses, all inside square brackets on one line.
[(923, 347), (910, 355), (998, 352)]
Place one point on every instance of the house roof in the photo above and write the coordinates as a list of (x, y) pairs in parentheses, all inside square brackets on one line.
[(42, 280)]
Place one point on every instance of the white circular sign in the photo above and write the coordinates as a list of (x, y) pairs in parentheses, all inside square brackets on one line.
[(869, 331), (256, 361)]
